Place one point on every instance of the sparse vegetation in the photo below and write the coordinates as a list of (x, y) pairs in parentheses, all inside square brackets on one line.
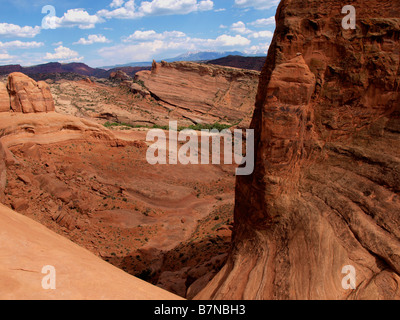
[(197, 127)]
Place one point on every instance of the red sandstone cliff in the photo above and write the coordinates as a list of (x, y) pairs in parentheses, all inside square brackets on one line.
[(25, 95), (203, 93), (325, 192)]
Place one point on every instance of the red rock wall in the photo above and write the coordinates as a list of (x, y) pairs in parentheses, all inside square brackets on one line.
[(25, 95), (4, 99), (325, 192)]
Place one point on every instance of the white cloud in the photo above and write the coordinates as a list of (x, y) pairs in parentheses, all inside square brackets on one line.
[(156, 7), (57, 44), (220, 10), (262, 34), (260, 49), (240, 27), (205, 5), (263, 22), (257, 4), (230, 41), (150, 35), (143, 51), (5, 56), (165, 7), (148, 45), (74, 18), (177, 39), (20, 45), (12, 30), (116, 3), (93, 38), (63, 54), (128, 11)]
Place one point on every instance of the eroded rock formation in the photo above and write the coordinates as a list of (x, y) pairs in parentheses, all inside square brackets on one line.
[(4, 99), (325, 192), (25, 95), (206, 91)]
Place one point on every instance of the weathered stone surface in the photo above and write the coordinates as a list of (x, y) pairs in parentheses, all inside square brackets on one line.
[(119, 76), (4, 99), (28, 96), (136, 88), (325, 192), (26, 247), (209, 92)]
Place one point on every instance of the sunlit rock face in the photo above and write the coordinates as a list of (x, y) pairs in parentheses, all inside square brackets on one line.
[(325, 192), (26, 95)]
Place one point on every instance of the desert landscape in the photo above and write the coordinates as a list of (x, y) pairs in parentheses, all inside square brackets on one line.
[(78, 193)]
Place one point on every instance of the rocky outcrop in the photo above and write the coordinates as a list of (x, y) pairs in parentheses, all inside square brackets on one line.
[(203, 92), (325, 190), (119, 76), (27, 247), (40, 128), (4, 99), (27, 95)]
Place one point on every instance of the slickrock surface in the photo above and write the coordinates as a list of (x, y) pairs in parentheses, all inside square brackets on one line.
[(26, 95), (4, 99), (26, 247), (203, 92), (325, 192)]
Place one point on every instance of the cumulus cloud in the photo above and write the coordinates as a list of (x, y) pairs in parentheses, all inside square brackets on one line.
[(262, 34), (20, 45), (230, 41), (150, 35), (180, 39), (73, 18), (260, 49), (263, 22), (63, 54), (147, 45), (257, 4), (116, 3), (240, 27), (9, 30), (93, 38), (5, 56), (156, 7)]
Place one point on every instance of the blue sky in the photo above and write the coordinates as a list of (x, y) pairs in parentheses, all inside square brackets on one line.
[(108, 32)]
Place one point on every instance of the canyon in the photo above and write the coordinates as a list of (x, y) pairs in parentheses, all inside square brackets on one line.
[(324, 194), (73, 158)]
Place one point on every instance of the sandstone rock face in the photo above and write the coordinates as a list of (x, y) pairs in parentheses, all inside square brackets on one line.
[(119, 76), (207, 91), (26, 247), (325, 190), (4, 99), (29, 96)]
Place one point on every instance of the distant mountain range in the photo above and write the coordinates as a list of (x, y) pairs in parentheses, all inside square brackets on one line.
[(39, 72), (235, 61), (81, 69), (189, 56)]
